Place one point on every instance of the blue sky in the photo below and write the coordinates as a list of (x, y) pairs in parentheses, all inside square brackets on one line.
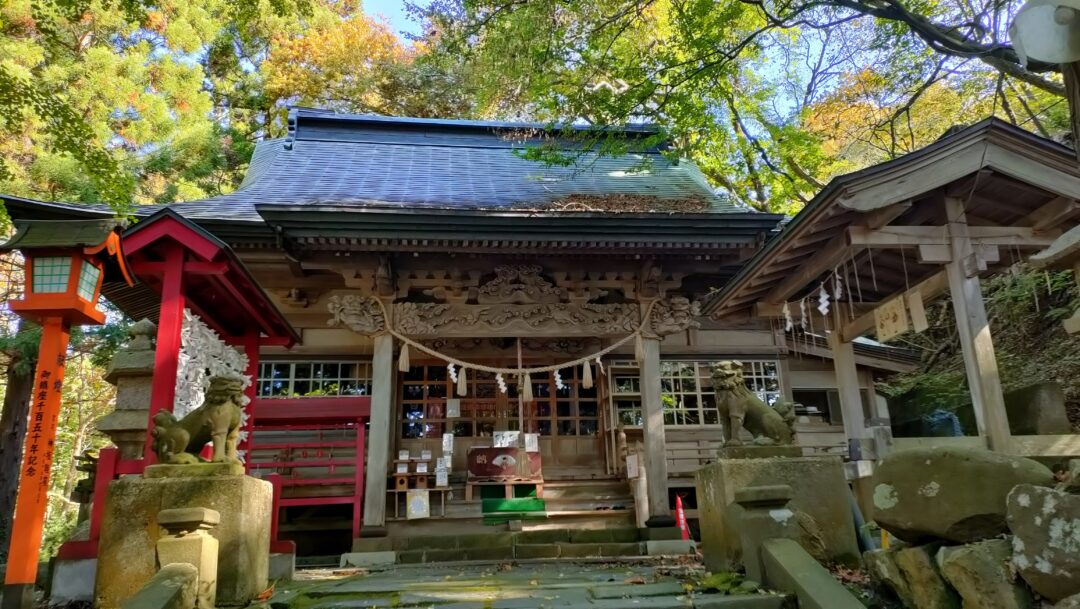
[(393, 12)]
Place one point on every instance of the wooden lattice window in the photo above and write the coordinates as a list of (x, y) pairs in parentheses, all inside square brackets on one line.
[(300, 378)]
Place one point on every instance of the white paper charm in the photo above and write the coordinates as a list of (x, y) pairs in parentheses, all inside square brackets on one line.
[(532, 443), (823, 300)]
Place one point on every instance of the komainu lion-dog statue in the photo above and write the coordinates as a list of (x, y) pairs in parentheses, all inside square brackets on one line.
[(741, 409), (217, 420)]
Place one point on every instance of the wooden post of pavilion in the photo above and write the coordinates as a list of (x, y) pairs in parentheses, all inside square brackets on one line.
[(980, 364), (847, 385)]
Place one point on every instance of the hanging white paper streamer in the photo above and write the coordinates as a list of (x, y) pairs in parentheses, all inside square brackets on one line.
[(838, 286), (558, 381), (789, 324), (450, 370), (802, 312), (501, 382), (823, 300)]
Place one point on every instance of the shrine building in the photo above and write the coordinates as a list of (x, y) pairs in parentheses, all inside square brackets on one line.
[(431, 317)]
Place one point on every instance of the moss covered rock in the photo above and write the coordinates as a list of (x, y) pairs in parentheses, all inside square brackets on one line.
[(954, 494), (1046, 539), (979, 572)]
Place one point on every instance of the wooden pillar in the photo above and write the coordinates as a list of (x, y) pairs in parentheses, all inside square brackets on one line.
[(33, 496), (984, 381), (167, 350), (378, 437), (847, 384), (655, 445)]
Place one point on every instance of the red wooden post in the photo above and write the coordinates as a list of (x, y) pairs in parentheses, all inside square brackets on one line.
[(167, 351), (106, 473), (275, 481), (33, 497)]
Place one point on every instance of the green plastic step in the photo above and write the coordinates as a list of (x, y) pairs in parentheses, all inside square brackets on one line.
[(525, 504)]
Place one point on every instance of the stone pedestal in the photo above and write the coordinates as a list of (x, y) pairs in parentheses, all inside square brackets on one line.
[(765, 516), (751, 451), (819, 502), (130, 531), (189, 542), (131, 370)]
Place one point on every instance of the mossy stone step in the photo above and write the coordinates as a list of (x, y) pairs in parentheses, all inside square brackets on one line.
[(543, 536), (597, 550), (619, 535)]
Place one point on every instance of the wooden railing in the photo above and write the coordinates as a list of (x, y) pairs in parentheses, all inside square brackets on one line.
[(312, 451)]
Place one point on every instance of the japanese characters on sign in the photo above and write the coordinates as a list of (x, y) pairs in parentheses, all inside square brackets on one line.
[(37, 463), (891, 319)]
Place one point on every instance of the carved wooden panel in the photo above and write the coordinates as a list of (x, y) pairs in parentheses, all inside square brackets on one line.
[(557, 319)]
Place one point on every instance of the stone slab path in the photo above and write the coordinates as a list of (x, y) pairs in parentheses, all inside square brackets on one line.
[(521, 586)]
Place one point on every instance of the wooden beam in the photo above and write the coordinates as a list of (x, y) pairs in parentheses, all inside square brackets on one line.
[(880, 217), (916, 236), (1051, 214), (929, 288), (896, 236), (827, 258), (191, 267), (973, 327), (1067, 445), (766, 309)]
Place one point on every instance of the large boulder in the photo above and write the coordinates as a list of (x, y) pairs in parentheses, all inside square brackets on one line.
[(980, 573), (1046, 539), (881, 565), (920, 571), (956, 494), (1073, 602)]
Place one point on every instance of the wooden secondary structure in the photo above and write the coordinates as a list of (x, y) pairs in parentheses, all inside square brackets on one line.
[(179, 265), (907, 231)]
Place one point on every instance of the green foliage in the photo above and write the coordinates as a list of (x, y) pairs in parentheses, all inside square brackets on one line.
[(1025, 308), (771, 99), (728, 583), (58, 528)]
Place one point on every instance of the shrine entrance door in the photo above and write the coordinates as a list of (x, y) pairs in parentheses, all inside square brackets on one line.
[(567, 419)]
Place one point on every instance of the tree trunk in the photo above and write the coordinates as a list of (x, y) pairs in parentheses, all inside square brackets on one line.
[(16, 412), (1070, 73)]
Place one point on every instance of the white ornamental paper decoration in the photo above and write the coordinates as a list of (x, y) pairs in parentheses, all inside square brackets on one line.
[(501, 381), (558, 381), (789, 324), (204, 355), (823, 300), (838, 286), (803, 316)]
